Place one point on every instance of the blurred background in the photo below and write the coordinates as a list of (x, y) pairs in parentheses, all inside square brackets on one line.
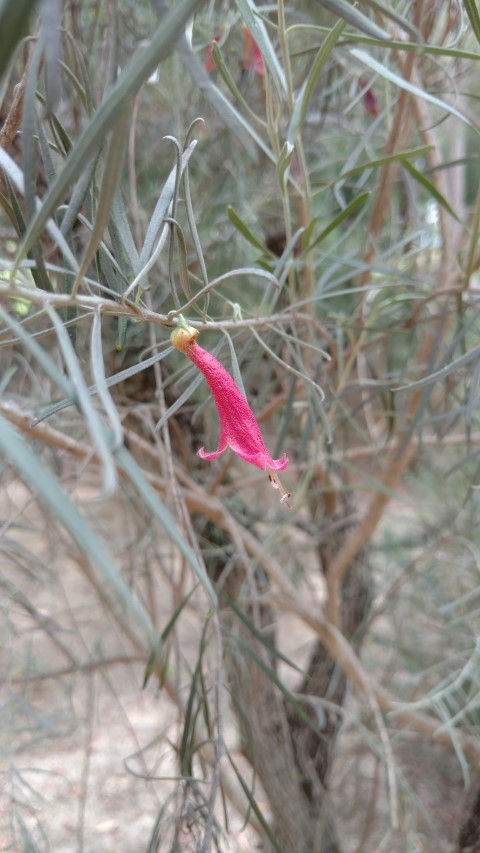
[(188, 663)]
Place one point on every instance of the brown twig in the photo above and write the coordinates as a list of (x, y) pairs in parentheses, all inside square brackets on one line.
[(285, 595)]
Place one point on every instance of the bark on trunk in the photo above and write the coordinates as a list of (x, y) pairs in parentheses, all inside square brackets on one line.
[(292, 758)]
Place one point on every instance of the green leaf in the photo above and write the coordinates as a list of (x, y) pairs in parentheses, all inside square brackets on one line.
[(14, 18), (380, 161), (261, 638), (244, 230), (471, 8), (228, 80), (385, 72), (284, 160), (303, 99), (181, 258), (473, 242), (431, 189), (158, 661), (247, 790), (252, 20), (349, 210), (415, 46)]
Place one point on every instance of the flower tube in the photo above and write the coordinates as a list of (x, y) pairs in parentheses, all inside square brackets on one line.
[(238, 428)]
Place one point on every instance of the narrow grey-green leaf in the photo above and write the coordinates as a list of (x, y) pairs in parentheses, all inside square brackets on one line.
[(191, 215), (78, 197), (46, 154), (228, 80), (182, 258), (184, 396), (473, 241), (236, 373), (41, 356), (306, 92), (162, 514), (349, 210), (245, 271), (431, 189), (29, 116), (284, 160), (473, 395), (417, 46), (94, 423), (30, 467), (462, 361), (353, 15), (111, 175), (122, 376), (226, 111), (251, 18), (161, 210), (51, 18), (244, 230), (385, 72), (16, 177), (120, 220), (122, 326), (158, 661), (471, 8), (247, 790), (98, 374), (380, 161), (136, 72)]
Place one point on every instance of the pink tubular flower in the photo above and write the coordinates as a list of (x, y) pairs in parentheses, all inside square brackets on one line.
[(238, 427)]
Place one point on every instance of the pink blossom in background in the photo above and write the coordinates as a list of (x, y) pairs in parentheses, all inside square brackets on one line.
[(238, 428), (369, 99), (251, 58), (208, 62)]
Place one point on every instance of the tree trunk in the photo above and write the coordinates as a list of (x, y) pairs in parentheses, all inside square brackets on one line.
[(290, 756)]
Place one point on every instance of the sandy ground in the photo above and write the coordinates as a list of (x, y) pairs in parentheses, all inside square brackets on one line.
[(88, 759)]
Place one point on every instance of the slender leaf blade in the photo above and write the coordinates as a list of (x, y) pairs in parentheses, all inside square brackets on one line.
[(471, 8), (257, 28), (163, 515), (392, 77), (36, 474), (349, 210), (137, 71), (353, 15)]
